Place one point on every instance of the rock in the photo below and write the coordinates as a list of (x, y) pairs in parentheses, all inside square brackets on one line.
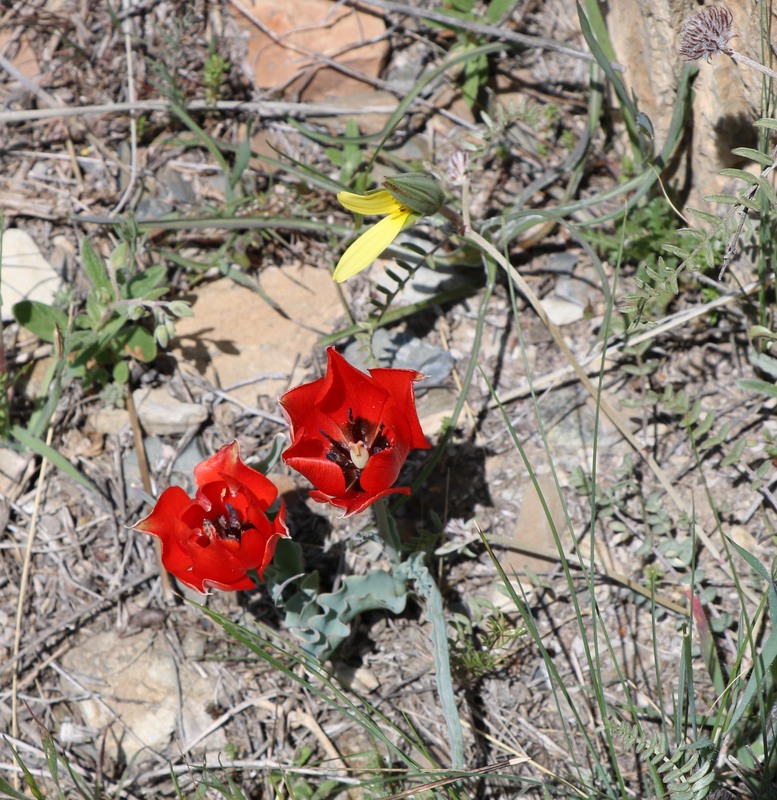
[(301, 35), (560, 311), (359, 679), (12, 467), (109, 421), (26, 274), (573, 294), (532, 552), (24, 60), (434, 407), (162, 415), (404, 350), (35, 381), (645, 36), (235, 335), (159, 455), (134, 684)]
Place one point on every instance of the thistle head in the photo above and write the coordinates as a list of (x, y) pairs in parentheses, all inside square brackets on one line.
[(706, 33)]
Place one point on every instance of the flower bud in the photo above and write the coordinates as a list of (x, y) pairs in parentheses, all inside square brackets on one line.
[(417, 191)]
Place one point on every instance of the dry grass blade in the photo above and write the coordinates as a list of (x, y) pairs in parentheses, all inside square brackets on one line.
[(425, 787), (26, 567)]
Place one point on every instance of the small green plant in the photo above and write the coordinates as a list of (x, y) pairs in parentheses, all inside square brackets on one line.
[(686, 775), (214, 74), (643, 232), (349, 157), (476, 71), (481, 642), (300, 787), (122, 318), (718, 244)]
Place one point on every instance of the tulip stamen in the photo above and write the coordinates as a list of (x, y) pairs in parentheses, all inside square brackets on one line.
[(224, 527)]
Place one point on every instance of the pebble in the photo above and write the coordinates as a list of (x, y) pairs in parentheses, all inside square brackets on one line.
[(161, 414), (26, 273)]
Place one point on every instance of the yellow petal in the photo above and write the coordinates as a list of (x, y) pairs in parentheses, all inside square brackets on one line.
[(370, 245), (377, 202)]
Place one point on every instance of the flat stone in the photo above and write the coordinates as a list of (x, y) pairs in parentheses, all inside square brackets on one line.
[(27, 275), (24, 60), (235, 336), (726, 95), (159, 454), (288, 57), (134, 684), (403, 350), (12, 467), (109, 421), (161, 414), (561, 312), (531, 547)]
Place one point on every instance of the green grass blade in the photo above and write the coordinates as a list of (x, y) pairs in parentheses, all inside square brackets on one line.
[(56, 459)]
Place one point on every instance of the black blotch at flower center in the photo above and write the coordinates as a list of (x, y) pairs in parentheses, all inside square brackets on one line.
[(362, 439), (227, 527)]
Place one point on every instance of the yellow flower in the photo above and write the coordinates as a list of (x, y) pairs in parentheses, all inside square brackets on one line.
[(421, 196), (376, 239)]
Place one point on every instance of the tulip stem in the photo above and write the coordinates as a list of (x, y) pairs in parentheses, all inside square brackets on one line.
[(388, 532)]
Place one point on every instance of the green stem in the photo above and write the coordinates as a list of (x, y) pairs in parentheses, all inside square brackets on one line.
[(388, 532), (414, 569)]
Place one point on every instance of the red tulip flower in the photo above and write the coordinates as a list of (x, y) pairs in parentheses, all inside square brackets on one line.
[(351, 433), (214, 539)]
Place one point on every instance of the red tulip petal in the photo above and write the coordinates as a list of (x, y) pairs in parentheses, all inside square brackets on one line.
[(356, 502), (308, 458), (298, 403), (279, 523), (399, 384), (219, 465), (167, 523), (350, 407), (243, 583), (346, 387), (226, 466), (218, 563), (165, 516), (227, 490), (382, 469)]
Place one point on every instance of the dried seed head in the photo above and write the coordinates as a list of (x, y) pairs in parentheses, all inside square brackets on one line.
[(706, 33), (458, 164)]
